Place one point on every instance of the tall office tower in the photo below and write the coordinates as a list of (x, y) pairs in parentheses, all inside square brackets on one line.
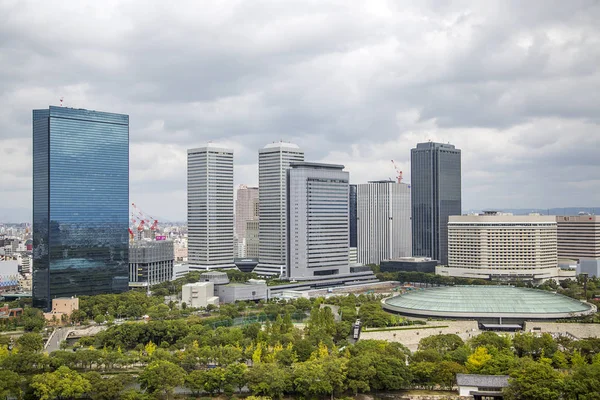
[(384, 229), (80, 203), (578, 237), (317, 214), (273, 162), (436, 194), (210, 207), (353, 216), (246, 209)]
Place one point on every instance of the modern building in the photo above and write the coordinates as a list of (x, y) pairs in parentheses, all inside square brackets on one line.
[(383, 219), (503, 247), (409, 264), (246, 209), (199, 294), (62, 306), (590, 266), (481, 387), (578, 237), (252, 247), (150, 262), (353, 216), (80, 203), (273, 162), (317, 213), (210, 207), (436, 195), (253, 290)]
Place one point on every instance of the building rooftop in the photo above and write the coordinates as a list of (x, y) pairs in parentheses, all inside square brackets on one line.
[(211, 146), (497, 381), (486, 301), (276, 145), (315, 165)]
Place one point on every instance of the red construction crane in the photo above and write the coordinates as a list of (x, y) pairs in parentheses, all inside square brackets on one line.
[(145, 220), (398, 172)]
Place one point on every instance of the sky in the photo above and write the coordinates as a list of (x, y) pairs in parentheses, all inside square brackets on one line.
[(514, 84)]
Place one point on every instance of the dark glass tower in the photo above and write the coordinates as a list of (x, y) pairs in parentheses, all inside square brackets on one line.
[(436, 194), (80, 203), (353, 216)]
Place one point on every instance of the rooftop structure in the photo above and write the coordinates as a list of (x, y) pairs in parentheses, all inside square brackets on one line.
[(488, 303)]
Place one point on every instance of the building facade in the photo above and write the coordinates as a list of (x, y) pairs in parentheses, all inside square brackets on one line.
[(578, 237), (383, 221), (246, 209), (150, 262), (317, 212), (436, 195), (503, 247), (80, 203), (210, 207), (273, 162), (353, 216), (252, 240)]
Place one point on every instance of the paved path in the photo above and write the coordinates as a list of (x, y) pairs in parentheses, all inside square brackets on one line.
[(61, 334)]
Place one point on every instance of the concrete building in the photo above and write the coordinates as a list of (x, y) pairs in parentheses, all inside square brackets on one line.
[(436, 194), (578, 237), (246, 209), (590, 266), (150, 262), (503, 247), (317, 212), (481, 386), (383, 221), (199, 294), (253, 290), (62, 306), (273, 162), (252, 239), (210, 207), (409, 264)]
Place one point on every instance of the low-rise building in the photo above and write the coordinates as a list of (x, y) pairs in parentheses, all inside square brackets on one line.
[(253, 290), (481, 386), (62, 306), (199, 294), (150, 262), (409, 264)]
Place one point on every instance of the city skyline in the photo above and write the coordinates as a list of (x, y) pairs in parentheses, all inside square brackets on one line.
[(514, 85)]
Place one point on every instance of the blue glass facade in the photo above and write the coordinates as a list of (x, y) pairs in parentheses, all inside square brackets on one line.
[(353, 215), (80, 203)]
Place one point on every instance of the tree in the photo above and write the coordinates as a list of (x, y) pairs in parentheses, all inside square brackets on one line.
[(235, 374), (583, 383), (161, 377), (532, 381), (30, 342), (207, 380), (33, 320), (10, 384), (491, 339), (441, 343), (478, 359), (63, 382), (269, 380), (105, 388)]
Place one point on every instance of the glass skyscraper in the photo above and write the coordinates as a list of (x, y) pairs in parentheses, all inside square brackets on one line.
[(435, 194), (353, 216), (80, 203)]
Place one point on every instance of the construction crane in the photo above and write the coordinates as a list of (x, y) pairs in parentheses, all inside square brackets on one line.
[(398, 172), (145, 220)]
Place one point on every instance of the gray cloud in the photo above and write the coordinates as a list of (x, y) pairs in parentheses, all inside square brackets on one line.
[(515, 84)]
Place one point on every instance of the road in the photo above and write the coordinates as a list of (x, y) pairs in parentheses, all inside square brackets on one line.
[(60, 334)]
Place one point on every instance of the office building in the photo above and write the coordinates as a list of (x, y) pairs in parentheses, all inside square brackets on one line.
[(578, 237), (252, 244), (436, 195), (409, 264), (199, 294), (317, 212), (150, 262), (246, 209), (80, 203), (353, 216), (273, 162), (383, 221), (210, 207), (503, 247)]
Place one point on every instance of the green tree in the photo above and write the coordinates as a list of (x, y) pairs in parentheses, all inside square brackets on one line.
[(583, 383), (63, 383), (207, 380), (533, 381), (105, 388), (441, 343), (30, 342), (161, 377), (235, 374), (271, 380), (10, 384), (33, 320)]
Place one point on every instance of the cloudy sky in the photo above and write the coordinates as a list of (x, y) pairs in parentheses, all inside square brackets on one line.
[(514, 84)]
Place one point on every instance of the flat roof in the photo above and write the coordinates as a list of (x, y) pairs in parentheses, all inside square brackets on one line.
[(305, 164), (486, 302)]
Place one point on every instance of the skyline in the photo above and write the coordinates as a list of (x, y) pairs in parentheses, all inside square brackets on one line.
[(514, 86)]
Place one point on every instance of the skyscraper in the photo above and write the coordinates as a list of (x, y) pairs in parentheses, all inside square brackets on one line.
[(317, 213), (210, 207), (384, 228), (246, 209), (80, 203), (273, 161), (436, 194), (353, 216)]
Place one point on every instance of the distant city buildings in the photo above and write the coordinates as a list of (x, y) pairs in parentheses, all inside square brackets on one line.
[(317, 227), (150, 262), (246, 209), (436, 195), (80, 203), (383, 221), (503, 247), (210, 207), (273, 161)]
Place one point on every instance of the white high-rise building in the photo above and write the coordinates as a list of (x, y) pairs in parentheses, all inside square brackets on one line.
[(383, 221), (246, 209), (210, 207), (317, 210), (273, 162)]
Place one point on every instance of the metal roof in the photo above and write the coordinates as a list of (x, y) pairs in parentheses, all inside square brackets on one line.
[(482, 380)]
